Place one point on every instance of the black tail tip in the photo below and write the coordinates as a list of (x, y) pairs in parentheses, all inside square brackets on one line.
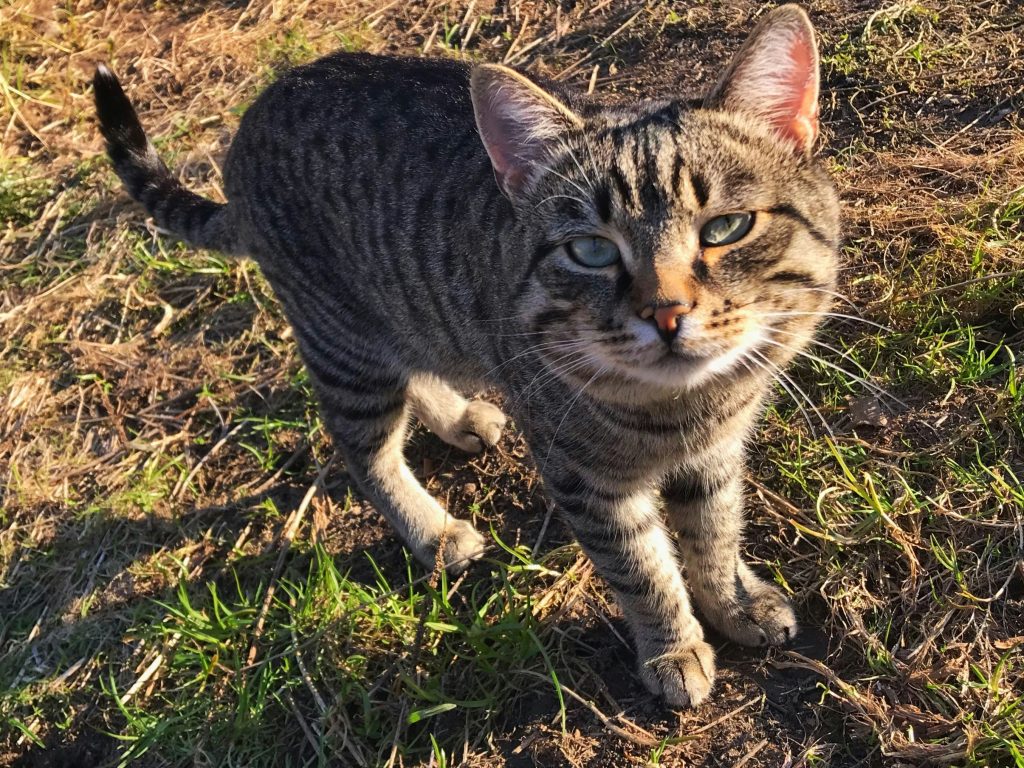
[(118, 121), (105, 84)]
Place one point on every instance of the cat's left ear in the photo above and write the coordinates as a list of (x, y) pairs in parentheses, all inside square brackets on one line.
[(517, 121), (774, 77)]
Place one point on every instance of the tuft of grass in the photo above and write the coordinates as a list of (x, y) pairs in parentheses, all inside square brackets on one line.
[(22, 197), (372, 669)]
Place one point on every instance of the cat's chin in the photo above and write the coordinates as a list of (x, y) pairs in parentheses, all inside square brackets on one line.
[(674, 372), (668, 375), (683, 369)]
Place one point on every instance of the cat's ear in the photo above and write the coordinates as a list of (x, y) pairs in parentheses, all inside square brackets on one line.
[(774, 77), (517, 121)]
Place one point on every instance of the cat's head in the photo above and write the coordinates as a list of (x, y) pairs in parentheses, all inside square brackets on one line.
[(677, 240)]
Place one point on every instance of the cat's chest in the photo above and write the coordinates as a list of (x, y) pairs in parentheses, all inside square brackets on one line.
[(650, 433), (639, 441)]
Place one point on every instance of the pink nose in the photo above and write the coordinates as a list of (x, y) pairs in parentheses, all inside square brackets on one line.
[(667, 318)]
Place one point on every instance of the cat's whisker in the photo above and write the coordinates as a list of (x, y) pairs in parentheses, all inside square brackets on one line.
[(568, 150), (834, 315), (521, 334), (565, 178), (582, 203), (796, 401), (834, 294), (553, 363), (557, 370), (803, 338), (852, 376), (517, 333), (518, 318), (845, 356), (593, 161), (572, 402), (561, 345), (780, 375)]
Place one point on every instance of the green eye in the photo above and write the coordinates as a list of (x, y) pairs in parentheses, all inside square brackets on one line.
[(727, 229), (593, 252)]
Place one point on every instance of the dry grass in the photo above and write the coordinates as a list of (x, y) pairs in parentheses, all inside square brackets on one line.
[(187, 580)]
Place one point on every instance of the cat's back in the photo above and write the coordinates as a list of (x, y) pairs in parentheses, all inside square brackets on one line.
[(395, 85), (352, 158), (352, 103)]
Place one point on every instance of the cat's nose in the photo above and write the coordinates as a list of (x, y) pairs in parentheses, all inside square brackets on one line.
[(666, 317)]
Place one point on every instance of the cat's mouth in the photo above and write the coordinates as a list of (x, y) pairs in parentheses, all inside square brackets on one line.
[(675, 355), (685, 363)]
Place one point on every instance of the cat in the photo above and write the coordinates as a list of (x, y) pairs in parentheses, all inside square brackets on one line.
[(633, 277)]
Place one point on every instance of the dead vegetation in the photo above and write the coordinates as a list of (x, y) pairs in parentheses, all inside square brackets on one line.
[(185, 578)]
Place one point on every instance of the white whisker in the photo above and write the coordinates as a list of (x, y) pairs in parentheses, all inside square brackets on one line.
[(809, 356), (794, 313), (582, 202), (572, 402), (834, 294), (845, 356), (568, 150), (818, 342), (521, 334), (569, 345), (556, 371), (552, 369), (771, 375), (780, 375), (590, 156), (565, 178), (519, 318)]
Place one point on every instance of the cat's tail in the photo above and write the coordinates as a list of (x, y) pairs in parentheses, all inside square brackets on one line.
[(198, 221)]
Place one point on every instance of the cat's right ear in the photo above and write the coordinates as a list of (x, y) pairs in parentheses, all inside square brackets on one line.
[(774, 78), (517, 121)]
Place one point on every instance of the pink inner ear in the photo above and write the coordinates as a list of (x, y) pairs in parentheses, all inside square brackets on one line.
[(774, 78), (510, 150), (496, 141), (508, 124), (801, 106)]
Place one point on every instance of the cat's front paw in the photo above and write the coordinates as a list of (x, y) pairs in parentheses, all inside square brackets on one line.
[(462, 544), (480, 426), (763, 615), (683, 675)]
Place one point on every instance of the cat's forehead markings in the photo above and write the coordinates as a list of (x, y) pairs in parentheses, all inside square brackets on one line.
[(620, 127), (665, 157), (697, 188), (665, 113), (623, 176)]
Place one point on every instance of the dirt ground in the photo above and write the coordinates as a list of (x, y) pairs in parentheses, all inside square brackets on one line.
[(186, 577)]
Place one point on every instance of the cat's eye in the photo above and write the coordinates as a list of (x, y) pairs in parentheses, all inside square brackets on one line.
[(727, 229), (593, 252)]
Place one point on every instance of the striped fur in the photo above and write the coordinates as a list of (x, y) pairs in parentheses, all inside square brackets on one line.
[(412, 217)]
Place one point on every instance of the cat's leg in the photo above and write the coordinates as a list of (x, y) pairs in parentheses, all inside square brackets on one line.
[(368, 416), (471, 425), (623, 534), (705, 507)]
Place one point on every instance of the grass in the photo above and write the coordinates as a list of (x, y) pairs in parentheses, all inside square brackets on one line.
[(187, 578)]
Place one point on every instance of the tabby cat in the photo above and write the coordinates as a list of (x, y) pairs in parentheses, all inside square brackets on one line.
[(633, 277)]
